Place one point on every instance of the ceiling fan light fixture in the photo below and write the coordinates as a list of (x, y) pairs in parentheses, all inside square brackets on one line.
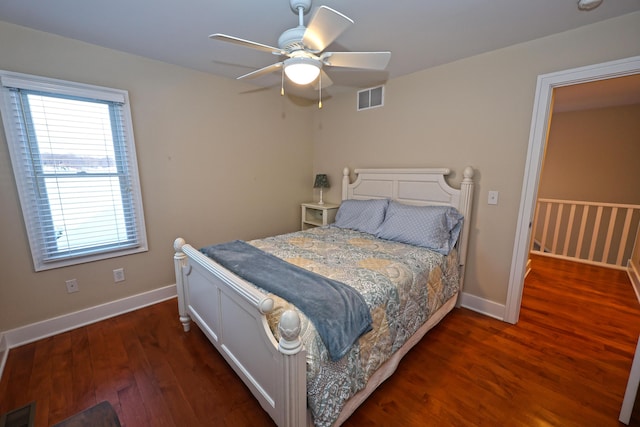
[(302, 70), (588, 4)]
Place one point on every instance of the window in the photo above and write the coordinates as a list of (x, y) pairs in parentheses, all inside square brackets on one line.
[(73, 158)]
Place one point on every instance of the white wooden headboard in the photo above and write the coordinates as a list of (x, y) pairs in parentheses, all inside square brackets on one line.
[(417, 187)]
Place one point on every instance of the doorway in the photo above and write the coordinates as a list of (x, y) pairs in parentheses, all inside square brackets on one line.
[(543, 105)]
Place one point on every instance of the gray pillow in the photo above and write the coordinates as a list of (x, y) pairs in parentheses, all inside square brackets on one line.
[(433, 227), (361, 215)]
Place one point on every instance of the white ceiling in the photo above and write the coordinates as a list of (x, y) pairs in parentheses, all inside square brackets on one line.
[(419, 33), (618, 91)]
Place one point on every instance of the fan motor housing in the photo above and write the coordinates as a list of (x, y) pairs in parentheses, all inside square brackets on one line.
[(304, 4), (291, 39)]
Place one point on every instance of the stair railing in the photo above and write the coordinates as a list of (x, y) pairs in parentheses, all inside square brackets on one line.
[(589, 232)]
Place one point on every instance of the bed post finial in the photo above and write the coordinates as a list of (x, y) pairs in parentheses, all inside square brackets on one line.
[(289, 328), (345, 183), (178, 244), (468, 173)]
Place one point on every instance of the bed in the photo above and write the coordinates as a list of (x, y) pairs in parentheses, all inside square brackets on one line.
[(272, 345)]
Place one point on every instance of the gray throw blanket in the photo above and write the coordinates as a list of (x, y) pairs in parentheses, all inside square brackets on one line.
[(338, 312)]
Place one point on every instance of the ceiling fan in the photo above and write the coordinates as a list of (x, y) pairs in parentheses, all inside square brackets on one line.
[(303, 59)]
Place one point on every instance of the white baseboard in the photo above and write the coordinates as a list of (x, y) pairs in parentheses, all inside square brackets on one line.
[(481, 305), (4, 352), (66, 322)]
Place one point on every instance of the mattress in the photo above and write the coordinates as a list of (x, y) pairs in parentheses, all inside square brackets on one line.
[(401, 284)]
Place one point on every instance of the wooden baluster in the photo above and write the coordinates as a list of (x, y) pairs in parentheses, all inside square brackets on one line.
[(625, 236), (610, 229), (556, 230), (594, 235), (567, 237), (583, 225)]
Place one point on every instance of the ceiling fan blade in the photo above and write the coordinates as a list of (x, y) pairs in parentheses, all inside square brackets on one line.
[(364, 60), (324, 27), (247, 43), (325, 79), (262, 71)]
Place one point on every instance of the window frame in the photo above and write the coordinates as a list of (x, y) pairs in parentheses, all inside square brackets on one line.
[(26, 179)]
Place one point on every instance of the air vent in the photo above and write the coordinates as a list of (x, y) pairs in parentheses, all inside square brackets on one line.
[(21, 417), (370, 98)]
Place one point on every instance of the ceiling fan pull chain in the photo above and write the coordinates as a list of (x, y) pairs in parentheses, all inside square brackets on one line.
[(282, 83), (320, 92)]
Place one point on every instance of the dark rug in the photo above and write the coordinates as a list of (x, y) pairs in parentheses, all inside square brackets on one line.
[(100, 415)]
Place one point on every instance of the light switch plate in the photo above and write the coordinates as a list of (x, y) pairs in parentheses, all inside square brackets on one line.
[(493, 198)]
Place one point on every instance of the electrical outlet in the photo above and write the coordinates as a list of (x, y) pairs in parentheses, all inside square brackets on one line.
[(118, 275), (72, 286)]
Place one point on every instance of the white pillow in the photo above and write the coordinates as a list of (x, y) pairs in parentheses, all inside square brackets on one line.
[(361, 215)]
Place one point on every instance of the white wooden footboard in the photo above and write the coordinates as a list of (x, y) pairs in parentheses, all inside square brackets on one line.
[(231, 313)]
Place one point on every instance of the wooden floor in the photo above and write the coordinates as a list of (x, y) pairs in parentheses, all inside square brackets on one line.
[(564, 364)]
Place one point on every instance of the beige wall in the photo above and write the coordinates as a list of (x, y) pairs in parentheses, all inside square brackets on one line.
[(239, 163), (475, 111), (593, 155), (203, 145)]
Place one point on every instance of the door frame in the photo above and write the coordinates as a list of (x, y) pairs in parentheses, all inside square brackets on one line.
[(542, 109)]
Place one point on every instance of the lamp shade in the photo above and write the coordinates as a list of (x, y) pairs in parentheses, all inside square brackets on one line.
[(321, 181), (301, 70)]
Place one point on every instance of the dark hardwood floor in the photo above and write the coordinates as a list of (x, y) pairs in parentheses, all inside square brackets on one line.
[(564, 364)]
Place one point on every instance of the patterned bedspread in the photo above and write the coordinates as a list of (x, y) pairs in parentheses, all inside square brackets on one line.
[(402, 285)]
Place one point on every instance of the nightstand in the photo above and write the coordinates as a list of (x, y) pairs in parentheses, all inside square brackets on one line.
[(315, 215)]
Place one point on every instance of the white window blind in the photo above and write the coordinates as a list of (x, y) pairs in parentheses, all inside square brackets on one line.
[(73, 157)]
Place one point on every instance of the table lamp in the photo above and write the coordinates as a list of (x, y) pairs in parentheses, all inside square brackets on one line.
[(321, 182)]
